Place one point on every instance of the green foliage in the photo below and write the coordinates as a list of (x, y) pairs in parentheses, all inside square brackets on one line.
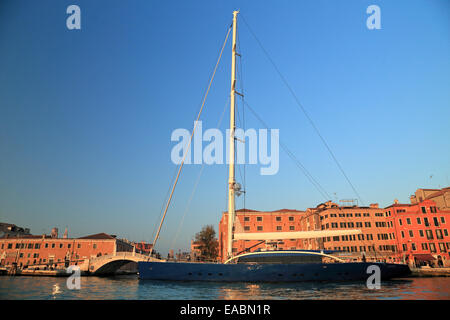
[(207, 243)]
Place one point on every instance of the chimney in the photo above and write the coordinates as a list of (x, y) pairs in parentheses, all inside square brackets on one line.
[(54, 233), (395, 201), (65, 234), (374, 205)]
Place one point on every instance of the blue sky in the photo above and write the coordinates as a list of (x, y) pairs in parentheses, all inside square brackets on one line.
[(86, 115)]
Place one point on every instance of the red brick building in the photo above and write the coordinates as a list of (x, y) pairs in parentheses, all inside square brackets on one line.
[(421, 232), (45, 250), (259, 221)]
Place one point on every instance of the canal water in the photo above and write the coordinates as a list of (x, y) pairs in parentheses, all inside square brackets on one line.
[(130, 287)]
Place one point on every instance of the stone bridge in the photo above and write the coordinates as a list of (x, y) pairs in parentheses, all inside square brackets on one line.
[(109, 264)]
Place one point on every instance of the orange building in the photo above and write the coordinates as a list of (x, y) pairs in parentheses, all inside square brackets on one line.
[(421, 232), (377, 241), (50, 251)]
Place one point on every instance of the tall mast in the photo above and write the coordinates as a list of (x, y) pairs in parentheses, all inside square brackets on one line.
[(231, 179)]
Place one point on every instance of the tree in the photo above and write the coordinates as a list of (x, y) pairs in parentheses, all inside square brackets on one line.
[(207, 243)]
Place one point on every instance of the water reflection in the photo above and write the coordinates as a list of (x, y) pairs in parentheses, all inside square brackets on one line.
[(129, 287)]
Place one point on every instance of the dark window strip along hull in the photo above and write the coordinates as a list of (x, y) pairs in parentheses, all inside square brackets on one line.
[(242, 272)]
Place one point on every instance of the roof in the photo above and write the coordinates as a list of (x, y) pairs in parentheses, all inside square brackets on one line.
[(25, 236), (98, 236)]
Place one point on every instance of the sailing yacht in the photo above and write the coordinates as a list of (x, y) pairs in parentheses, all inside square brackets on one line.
[(268, 265)]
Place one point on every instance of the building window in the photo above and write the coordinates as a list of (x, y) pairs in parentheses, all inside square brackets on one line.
[(79, 246), (343, 224), (421, 233), (442, 247), (278, 228), (400, 222), (53, 245), (367, 224), (429, 235), (424, 210), (246, 218), (433, 209), (424, 246), (291, 218), (411, 234), (30, 246), (95, 246), (408, 220), (334, 225), (351, 225), (291, 228), (278, 218), (403, 234), (419, 221), (246, 228), (442, 220), (37, 246), (439, 234), (413, 246), (436, 221), (445, 232), (425, 222), (46, 245), (432, 247), (405, 247), (359, 224), (258, 218), (259, 228)]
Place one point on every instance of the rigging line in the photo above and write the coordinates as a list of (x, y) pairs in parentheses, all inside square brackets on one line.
[(190, 140), (165, 199), (296, 161), (302, 109), (196, 183)]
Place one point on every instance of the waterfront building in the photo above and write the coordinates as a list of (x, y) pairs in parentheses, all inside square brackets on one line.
[(375, 243), (421, 231), (143, 247), (259, 221), (50, 251)]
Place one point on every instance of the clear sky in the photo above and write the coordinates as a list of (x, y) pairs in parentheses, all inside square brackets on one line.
[(86, 115)]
